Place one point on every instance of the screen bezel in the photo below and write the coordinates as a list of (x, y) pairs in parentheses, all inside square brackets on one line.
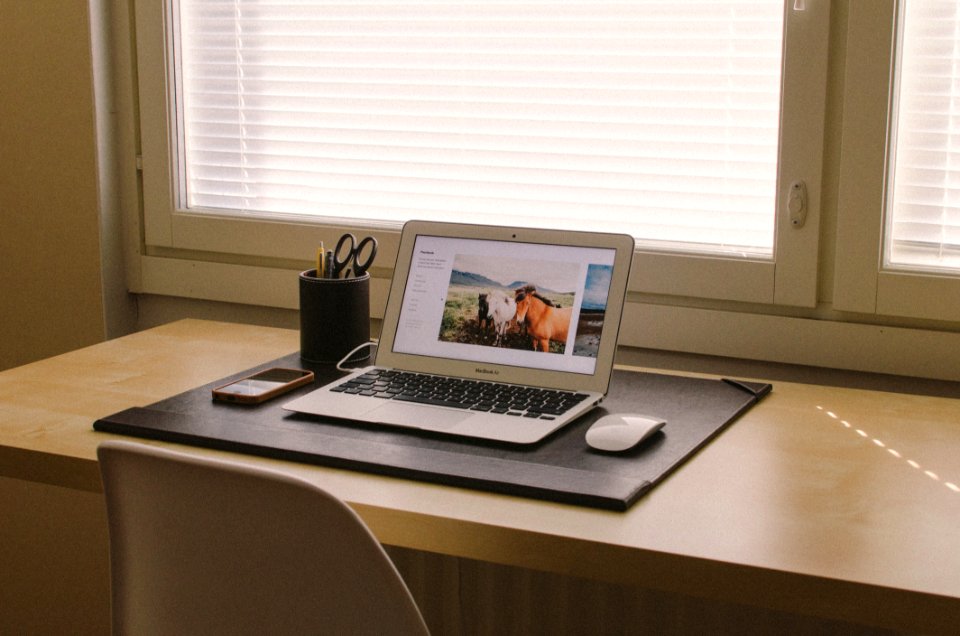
[(599, 382)]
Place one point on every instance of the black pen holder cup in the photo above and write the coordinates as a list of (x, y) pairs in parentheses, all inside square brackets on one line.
[(334, 317)]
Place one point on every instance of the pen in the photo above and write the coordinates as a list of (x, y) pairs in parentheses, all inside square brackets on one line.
[(328, 264), (321, 269)]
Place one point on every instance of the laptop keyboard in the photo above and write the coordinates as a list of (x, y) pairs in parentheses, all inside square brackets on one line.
[(476, 395)]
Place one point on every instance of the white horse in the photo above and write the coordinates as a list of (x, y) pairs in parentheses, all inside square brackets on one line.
[(502, 309)]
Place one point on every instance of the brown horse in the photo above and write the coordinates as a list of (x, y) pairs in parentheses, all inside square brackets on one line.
[(544, 321)]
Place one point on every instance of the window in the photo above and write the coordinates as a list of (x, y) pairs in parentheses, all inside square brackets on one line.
[(897, 219), (659, 119), (540, 121), (923, 216), (838, 302)]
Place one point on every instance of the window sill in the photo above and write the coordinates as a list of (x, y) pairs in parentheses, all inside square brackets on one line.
[(730, 333)]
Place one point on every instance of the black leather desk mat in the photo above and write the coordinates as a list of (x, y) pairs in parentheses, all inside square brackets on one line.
[(560, 468)]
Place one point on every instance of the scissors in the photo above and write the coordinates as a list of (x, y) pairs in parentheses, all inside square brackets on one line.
[(354, 250)]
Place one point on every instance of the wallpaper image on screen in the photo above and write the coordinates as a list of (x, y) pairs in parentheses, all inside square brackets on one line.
[(526, 305)]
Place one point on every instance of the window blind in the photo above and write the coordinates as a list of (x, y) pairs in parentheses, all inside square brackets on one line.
[(653, 117), (923, 209)]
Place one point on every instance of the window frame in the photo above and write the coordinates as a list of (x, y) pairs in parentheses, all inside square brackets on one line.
[(178, 245), (863, 284)]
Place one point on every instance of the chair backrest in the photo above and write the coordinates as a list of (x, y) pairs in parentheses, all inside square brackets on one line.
[(211, 546)]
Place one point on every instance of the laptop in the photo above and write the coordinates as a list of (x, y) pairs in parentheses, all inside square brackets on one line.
[(490, 332)]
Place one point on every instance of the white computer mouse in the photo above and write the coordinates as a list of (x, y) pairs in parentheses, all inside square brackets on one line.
[(620, 432)]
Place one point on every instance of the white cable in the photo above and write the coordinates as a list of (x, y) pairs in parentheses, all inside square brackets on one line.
[(371, 343)]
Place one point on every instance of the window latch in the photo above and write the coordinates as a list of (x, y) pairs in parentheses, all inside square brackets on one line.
[(797, 204)]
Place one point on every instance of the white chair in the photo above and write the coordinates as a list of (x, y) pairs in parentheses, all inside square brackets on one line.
[(210, 546)]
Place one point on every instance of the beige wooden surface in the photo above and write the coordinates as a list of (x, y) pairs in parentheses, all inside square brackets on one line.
[(837, 503)]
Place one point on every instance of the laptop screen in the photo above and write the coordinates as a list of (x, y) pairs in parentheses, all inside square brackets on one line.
[(505, 302)]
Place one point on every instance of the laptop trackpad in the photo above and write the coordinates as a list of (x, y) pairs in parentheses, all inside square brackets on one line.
[(425, 417)]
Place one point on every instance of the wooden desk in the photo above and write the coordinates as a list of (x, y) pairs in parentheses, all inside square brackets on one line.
[(820, 504)]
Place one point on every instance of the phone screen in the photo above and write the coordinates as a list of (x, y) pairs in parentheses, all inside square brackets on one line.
[(265, 383)]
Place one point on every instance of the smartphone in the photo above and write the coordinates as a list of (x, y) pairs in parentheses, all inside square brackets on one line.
[(262, 386)]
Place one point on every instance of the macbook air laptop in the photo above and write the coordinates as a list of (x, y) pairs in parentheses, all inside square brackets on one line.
[(490, 332)]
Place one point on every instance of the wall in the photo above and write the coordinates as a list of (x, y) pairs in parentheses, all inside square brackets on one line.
[(55, 576), (50, 275)]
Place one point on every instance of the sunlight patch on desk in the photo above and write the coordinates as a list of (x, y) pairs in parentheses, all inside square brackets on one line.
[(892, 451)]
